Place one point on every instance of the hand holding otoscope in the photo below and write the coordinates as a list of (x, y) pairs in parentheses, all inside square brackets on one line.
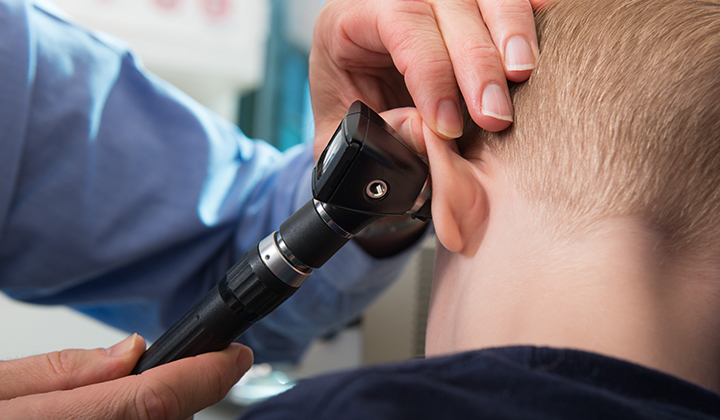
[(364, 174)]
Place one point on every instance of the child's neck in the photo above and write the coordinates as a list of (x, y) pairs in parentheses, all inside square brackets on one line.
[(612, 291)]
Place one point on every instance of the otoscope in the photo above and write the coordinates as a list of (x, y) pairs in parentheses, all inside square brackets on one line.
[(364, 174)]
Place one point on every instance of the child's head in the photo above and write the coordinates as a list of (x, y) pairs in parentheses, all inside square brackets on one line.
[(621, 117), (594, 221)]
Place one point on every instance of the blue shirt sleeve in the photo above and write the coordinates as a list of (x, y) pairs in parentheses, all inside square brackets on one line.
[(124, 198)]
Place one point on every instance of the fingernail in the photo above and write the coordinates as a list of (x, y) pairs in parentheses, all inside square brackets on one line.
[(122, 347), (519, 55), (449, 120), (495, 103)]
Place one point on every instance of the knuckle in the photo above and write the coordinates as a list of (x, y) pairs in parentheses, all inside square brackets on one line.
[(508, 10), (465, 6), (156, 400), (434, 59), (437, 70), (405, 20), (413, 6), (514, 6), (406, 14), (62, 365), (487, 54)]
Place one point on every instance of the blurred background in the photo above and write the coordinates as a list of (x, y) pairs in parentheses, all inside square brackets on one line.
[(247, 61)]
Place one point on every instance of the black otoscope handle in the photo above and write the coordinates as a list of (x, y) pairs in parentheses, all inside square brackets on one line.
[(226, 311), (253, 287)]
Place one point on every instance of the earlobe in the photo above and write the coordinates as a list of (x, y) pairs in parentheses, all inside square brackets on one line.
[(459, 202)]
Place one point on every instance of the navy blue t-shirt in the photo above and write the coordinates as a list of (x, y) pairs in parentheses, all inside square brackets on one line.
[(503, 383)]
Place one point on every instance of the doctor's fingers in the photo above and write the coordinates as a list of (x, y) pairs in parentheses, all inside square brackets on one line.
[(374, 40), (68, 369), (512, 26), (176, 390), (489, 41)]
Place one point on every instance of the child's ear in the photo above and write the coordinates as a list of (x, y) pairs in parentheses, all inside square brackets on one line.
[(459, 201)]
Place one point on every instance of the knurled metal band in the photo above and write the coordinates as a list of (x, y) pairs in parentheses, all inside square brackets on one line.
[(283, 265)]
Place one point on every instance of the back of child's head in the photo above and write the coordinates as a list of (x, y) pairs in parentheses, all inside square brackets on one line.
[(621, 117)]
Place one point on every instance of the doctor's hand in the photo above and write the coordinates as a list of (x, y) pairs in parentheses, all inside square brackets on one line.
[(395, 53), (92, 384)]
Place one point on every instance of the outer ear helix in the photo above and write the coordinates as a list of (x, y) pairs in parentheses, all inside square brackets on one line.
[(459, 203)]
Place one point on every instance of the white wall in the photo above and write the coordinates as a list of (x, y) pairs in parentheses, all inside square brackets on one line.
[(26, 330), (212, 49)]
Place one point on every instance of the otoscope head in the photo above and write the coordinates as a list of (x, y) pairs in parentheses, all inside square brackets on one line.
[(366, 168), (364, 174)]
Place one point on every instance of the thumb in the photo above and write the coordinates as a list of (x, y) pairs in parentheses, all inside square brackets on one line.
[(409, 124), (68, 369)]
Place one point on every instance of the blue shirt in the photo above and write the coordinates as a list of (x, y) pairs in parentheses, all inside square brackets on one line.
[(124, 198)]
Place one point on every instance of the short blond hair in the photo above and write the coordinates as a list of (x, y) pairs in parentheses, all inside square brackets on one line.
[(621, 117)]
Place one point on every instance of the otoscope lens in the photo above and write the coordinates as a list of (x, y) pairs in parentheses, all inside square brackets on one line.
[(330, 152)]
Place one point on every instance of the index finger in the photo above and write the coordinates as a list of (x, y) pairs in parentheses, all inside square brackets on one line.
[(477, 63), (413, 39)]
